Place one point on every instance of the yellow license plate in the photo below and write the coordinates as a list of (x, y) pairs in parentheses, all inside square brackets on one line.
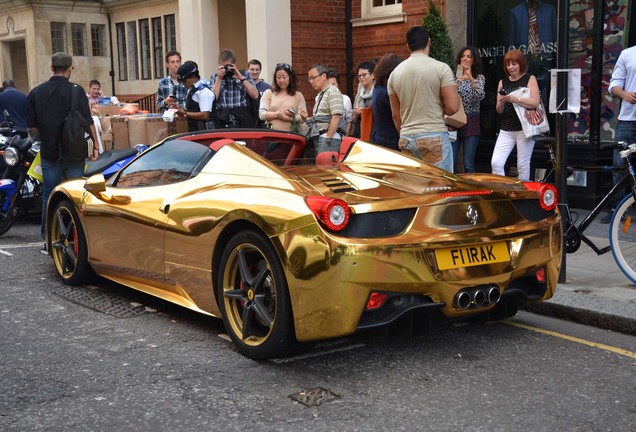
[(468, 256)]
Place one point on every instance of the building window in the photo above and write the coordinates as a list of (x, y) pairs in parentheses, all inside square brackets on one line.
[(131, 34), (58, 37), (157, 47), (98, 40), (144, 36), (122, 54), (380, 3), (171, 35), (78, 38), (379, 12)]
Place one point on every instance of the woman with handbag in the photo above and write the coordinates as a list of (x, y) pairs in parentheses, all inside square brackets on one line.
[(363, 97), (470, 86), (511, 133), (283, 106)]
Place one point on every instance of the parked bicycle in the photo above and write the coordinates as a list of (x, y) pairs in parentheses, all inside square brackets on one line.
[(622, 235)]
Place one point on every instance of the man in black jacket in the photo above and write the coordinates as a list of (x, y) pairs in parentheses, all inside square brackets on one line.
[(49, 104)]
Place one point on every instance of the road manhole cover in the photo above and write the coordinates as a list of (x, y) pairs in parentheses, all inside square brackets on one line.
[(103, 300), (314, 397)]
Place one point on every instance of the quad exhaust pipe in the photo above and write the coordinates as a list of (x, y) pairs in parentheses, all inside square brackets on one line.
[(477, 297)]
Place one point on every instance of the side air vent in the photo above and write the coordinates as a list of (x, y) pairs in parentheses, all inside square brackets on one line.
[(531, 210), (337, 185)]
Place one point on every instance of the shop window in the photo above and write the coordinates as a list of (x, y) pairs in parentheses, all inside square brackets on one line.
[(58, 37), (379, 12), (78, 38), (98, 40)]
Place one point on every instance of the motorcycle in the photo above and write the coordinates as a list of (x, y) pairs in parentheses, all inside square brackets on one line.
[(17, 188), (22, 179)]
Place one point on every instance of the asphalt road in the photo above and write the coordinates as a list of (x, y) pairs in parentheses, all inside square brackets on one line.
[(104, 358)]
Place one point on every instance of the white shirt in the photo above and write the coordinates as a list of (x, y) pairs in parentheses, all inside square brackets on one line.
[(203, 96), (624, 76)]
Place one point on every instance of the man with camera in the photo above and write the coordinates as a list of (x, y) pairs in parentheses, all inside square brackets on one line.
[(232, 89)]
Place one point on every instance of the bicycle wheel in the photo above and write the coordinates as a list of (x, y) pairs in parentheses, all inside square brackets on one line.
[(623, 236)]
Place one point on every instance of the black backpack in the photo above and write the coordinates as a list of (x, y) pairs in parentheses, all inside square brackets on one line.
[(76, 140)]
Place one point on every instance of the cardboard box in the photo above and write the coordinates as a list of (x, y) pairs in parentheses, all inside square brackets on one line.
[(119, 128), (111, 110), (108, 110), (107, 140), (156, 129), (137, 130)]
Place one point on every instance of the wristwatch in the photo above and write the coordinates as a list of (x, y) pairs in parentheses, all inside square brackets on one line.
[(243, 79)]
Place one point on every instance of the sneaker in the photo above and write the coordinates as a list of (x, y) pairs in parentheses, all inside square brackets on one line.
[(607, 217), (43, 249)]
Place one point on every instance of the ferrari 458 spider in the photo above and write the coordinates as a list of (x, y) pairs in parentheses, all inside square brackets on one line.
[(233, 224)]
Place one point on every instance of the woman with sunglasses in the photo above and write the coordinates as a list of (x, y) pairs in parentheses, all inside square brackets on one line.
[(283, 103)]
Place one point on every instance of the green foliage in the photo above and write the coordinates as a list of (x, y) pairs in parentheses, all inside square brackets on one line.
[(441, 44)]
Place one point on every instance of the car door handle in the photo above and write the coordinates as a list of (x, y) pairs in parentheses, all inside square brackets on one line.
[(164, 208)]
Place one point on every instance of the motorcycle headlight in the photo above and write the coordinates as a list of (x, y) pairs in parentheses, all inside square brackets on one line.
[(11, 156)]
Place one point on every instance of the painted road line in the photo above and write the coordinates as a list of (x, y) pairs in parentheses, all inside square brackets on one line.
[(575, 339), (21, 245), (6, 253)]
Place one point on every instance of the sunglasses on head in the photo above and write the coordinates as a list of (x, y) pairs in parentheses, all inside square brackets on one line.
[(284, 66)]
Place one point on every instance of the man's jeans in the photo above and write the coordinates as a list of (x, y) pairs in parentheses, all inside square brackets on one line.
[(324, 144), (625, 131), (52, 174), (431, 147)]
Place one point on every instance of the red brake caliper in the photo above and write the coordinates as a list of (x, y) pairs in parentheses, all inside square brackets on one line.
[(75, 245)]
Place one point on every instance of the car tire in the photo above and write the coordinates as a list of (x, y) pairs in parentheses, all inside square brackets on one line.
[(68, 245), (253, 297)]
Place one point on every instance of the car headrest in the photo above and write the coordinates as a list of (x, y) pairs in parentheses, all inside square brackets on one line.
[(327, 159)]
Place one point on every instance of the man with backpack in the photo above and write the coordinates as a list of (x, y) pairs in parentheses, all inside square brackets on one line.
[(50, 105)]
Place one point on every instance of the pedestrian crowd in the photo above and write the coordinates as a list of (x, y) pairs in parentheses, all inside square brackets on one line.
[(417, 106)]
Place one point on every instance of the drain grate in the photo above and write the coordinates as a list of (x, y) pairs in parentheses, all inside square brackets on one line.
[(118, 304), (314, 397)]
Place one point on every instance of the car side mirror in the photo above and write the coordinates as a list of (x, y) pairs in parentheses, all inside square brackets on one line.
[(96, 185)]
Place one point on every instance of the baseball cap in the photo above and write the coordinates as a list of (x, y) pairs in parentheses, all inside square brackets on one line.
[(186, 70), (61, 59)]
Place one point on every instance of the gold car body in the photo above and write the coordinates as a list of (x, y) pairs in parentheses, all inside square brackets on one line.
[(166, 240)]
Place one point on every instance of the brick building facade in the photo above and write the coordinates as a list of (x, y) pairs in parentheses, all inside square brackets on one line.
[(136, 34)]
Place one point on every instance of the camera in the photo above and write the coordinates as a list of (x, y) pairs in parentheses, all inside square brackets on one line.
[(503, 92), (229, 72)]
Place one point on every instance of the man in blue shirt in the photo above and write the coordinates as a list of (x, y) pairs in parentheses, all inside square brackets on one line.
[(254, 68), (170, 91), (15, 103)]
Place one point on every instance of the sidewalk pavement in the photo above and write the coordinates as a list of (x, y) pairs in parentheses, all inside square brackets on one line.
[(596, 291)]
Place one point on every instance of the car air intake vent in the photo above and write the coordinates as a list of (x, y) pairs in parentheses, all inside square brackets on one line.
[(531, 210), (378, 224), (337, 185)]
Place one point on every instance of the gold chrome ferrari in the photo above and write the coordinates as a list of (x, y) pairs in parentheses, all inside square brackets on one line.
[(233, 224)]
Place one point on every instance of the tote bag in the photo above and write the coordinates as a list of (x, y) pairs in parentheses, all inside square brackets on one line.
[(533, 121)]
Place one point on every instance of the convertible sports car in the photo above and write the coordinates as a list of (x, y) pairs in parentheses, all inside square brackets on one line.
[(232, 223)]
